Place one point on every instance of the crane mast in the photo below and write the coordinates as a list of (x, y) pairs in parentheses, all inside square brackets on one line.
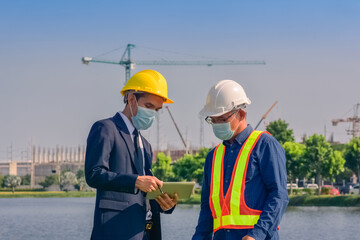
[(355, 120)]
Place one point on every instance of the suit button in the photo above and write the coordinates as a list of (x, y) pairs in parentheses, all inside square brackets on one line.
[(228, 230)]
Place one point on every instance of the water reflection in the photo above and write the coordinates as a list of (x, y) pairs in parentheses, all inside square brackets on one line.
[(71, 218)]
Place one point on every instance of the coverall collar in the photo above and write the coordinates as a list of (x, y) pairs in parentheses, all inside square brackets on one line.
[(241, 137)]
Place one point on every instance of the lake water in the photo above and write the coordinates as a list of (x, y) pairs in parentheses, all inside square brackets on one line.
[(71, 218)]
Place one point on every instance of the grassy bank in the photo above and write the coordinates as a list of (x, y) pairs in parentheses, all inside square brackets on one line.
[(34, 194), (305, 200), (325, 200)]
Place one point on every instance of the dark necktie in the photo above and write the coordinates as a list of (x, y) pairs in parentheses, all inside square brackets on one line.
[(138, 153)]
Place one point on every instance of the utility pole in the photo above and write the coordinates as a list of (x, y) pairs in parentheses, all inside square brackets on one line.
[(158, 131), (32, 170), (201, 132)]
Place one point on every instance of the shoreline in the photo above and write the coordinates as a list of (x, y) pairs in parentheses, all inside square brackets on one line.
[(303, 200)]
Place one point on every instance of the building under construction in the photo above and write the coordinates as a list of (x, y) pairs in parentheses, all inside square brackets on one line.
[(47, 161)]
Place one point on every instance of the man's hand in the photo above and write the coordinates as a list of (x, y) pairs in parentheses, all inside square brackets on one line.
[(166, 202), (247, 238), (148, 183)]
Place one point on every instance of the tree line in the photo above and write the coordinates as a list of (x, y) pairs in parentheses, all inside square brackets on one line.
[(313, 158)]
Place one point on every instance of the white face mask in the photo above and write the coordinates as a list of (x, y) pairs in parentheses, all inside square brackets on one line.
[(144, 117), (223, 131)]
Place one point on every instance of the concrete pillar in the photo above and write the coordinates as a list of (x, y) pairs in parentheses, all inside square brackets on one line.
[(13, 168), (83, 154), (43, 159), (66, 154), (39, 153), (61, 154), (57, 159), (79, 154), (48, 155)]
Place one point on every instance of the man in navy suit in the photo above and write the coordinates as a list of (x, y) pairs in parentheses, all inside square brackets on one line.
[(118, 162)]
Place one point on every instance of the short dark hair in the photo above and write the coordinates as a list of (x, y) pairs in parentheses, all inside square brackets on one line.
[(137, 95)]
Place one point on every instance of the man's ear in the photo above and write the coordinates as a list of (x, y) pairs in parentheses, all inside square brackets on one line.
[(131, 99), (242, 115)]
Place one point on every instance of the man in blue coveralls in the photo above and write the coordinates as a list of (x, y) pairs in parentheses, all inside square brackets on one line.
[(244, 191)]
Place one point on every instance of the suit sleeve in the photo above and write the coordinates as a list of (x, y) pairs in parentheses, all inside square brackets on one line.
[(99, 145), (273, 172), (204, 228)]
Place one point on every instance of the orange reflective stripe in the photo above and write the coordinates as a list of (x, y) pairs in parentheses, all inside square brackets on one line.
[(232, 211)]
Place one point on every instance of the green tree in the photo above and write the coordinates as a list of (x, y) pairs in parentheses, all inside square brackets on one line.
[(52, 179), (162, 167), (82, 185), (339, 147), (80, 173), (25, 180), (321, 160), (352, 156), (191, 167), (68, 180), (295, 163), (12, 181), (279, 130), (203, 152), (1, 180)]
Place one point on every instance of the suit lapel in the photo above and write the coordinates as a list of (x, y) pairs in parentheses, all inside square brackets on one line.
[(124, 132)]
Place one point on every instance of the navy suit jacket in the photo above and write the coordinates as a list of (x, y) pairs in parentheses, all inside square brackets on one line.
[(111, 168)]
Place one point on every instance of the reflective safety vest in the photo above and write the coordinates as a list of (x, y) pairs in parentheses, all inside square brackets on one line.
[(231, 211)]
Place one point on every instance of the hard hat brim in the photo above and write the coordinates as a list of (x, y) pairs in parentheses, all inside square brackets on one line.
[(206, 113), (167, 100)]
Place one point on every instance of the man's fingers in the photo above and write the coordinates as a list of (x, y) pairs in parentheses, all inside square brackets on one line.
[(153, 188), (164, 204), (163, 207), (158, 182), (176, 198), (167, 198)]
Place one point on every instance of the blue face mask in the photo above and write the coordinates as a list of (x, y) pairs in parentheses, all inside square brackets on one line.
[(223, 130), (144, 118)]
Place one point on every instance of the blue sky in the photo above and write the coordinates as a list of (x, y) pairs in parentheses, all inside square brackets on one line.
[(48, 98)]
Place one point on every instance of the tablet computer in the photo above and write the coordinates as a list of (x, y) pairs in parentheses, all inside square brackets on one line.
[(183, 189)]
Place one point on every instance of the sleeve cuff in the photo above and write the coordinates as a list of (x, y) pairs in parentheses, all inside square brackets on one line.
[(257, 233), (169, 211)]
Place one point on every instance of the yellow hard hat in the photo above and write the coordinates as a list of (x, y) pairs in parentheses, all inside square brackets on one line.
[(149, 81)]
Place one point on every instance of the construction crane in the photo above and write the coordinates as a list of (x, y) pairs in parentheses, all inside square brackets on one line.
[(129, 64), (265, 115), (182, 139), (355, 120)]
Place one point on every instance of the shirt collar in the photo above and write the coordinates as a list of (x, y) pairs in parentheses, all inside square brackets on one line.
[(241, 137), (128, 124)]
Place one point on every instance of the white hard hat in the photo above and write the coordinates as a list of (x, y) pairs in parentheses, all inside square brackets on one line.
[(223, 97)]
